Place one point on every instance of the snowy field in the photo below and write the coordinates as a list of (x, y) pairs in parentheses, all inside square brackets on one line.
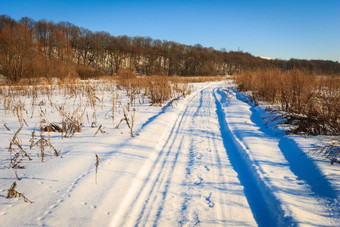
[(207, 159)]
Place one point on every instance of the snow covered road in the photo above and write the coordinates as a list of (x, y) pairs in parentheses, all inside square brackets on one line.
[(208, 161), (191, 181), (219, 166)]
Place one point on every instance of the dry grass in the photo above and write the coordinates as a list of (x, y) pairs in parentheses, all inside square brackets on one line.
[(97, 165), (33, 99), (16, 175), (17, 155), (311, 101), (100, 129), (329, 150), (129, 118), (158, 89), (11, 192)]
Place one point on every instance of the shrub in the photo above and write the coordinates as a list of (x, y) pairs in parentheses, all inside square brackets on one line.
[(313, 101)]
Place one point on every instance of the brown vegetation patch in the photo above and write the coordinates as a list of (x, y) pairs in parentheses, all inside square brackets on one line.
[(311, 102)]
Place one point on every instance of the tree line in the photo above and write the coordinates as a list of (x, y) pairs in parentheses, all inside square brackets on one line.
[(33, 49)]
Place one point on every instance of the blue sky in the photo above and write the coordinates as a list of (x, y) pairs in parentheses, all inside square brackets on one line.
[(307, 29)]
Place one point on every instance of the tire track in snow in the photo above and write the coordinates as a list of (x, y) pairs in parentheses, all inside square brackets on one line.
[(265, 206), (164, 175), (208, 197), (189, 180), (190, 183), (139, 197), (184, 183), (221, 176), (164, 183), (192, 172)]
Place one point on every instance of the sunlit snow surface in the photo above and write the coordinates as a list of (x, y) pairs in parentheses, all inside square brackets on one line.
[(207, 159)]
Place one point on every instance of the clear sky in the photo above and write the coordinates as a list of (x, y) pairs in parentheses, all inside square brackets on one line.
[(308, 29)]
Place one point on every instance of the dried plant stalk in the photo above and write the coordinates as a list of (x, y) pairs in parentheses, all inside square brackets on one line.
[(32, 139), (6, 127), (113, 110), (17, 142), (16, 175), (127, 119), (99, 130), (14, 138), (97, 164), (41, 140), (13, 193)]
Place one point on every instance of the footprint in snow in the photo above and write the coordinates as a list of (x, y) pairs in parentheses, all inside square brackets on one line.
[(199, 156), (208, 199), (195, 218), (199, 181)]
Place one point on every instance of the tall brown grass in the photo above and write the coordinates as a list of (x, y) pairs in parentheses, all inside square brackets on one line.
[(158, 89), (311, 100)]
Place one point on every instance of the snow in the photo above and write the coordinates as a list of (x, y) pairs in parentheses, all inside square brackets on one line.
[(207, 159), (266, 58)]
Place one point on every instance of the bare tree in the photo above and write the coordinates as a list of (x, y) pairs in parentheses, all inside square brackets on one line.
[(16, 51)]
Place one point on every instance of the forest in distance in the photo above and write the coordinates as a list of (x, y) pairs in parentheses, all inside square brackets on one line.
[(39, 49)]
